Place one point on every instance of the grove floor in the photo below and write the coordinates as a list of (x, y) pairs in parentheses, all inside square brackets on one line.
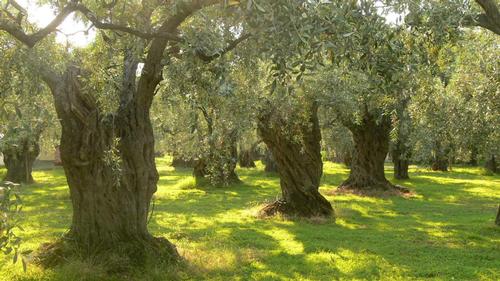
[(445, 232)]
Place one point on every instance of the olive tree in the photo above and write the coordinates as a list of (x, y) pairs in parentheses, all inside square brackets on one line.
[(108, 154)]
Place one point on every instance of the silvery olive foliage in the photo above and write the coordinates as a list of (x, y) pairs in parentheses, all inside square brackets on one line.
[(10, 207), (27, 116)]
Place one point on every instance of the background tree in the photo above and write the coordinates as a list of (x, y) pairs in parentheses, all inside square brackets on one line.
[(475, 84), (368, 74), (25, 112)]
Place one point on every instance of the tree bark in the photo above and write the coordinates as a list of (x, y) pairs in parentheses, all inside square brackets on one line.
[(110, 168), (400, 168), (19, 161), (492, 165), (299, 164), (440, 160), (270, 164), (497, 220), (371, 145), (246, 159), (400, 148), (400, 155)]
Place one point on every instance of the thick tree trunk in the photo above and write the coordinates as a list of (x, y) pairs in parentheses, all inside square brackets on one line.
[(299, 164), (270, 164), (110, 168), (371, 145), (19, 161)]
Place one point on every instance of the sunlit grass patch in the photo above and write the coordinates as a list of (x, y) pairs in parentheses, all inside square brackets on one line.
[(446, 232)]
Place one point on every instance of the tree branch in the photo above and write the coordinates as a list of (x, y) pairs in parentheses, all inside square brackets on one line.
[(31, 40), (491, 18), (152, 71), (116, 27), (229, 47)]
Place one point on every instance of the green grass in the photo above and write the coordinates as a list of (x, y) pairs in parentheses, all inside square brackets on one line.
[(445, 232)]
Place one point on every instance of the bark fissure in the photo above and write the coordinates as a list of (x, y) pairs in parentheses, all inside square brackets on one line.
[(299, 165), (371, 145)]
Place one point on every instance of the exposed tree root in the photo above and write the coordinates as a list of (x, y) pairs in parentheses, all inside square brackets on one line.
[(380, 190), (281, 207), (120, 258)]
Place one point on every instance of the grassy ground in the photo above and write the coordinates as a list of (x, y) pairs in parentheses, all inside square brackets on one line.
[(446, 232)]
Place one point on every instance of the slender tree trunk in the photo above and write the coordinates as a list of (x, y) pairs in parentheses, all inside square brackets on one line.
[(299, 164), (57, 156), (473, 157), (371, 145), (492, 165), (497, 220), (19, 161), (233, 161), (400, 168), (400, 159), (401, 150), (199, 170)]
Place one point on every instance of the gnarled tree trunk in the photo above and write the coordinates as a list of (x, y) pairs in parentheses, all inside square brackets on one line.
[(110, 167), (371, 145), (19, 161), (299, 165)]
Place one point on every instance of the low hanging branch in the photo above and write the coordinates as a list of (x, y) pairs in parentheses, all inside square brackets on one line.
[(491, 18), (31, 40)]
